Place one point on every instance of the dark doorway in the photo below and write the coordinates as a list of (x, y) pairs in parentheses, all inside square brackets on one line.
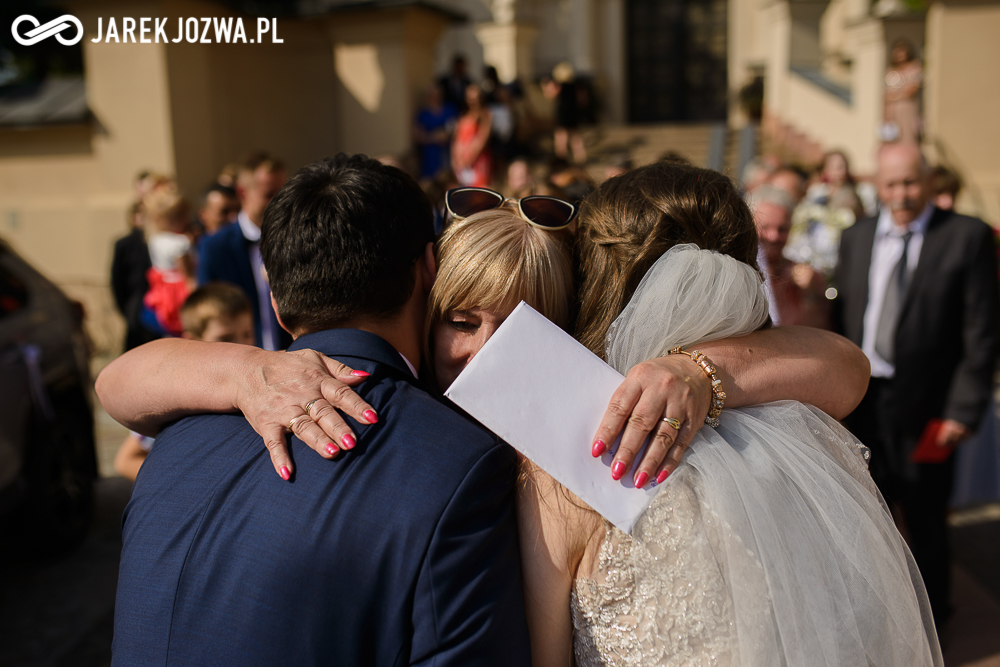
[(676, 60)]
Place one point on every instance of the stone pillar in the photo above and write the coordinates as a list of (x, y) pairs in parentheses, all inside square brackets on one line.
[(581, 35), (383, 61), (510, 47)]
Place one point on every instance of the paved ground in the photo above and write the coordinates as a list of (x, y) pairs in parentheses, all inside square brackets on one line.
[(59, 612)]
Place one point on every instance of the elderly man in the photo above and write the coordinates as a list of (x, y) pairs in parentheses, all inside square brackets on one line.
[(795, 292), (918, 292)]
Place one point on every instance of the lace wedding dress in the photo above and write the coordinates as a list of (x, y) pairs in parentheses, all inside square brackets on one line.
[(770, 544)]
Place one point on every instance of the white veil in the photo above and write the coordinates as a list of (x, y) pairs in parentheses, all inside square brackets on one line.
[(814, 569)]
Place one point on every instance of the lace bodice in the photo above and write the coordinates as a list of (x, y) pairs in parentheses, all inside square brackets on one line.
[(658, 598)]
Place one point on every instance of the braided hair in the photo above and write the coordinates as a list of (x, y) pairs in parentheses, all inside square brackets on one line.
[(632, 219)]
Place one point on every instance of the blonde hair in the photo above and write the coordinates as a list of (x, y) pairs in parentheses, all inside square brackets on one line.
[(493, 258), (214, 301), (166, 210)]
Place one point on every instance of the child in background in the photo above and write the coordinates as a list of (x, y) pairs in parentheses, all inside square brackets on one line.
[(215, 313), (171, 277)]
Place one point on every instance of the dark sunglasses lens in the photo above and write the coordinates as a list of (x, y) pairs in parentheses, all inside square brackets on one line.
[(465, 202), (547, 212)]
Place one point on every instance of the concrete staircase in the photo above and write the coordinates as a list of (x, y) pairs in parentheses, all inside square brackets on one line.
[(710, 145)]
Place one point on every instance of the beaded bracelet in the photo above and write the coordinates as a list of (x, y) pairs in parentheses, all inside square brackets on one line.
[(718, 396)]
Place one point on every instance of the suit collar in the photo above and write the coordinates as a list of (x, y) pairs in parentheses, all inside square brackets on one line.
[(354, 343), (251, 232), (887, 225), (930, 253)]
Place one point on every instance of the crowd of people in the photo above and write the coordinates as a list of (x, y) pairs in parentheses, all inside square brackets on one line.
[(401, 278)]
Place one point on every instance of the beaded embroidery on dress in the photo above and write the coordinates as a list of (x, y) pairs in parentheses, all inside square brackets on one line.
[(770, 544)]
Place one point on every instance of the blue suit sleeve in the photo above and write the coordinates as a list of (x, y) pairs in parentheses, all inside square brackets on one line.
[(207, 261), (469, 605)]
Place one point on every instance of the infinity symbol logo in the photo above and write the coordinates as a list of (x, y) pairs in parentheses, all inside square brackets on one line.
[(40, 32)]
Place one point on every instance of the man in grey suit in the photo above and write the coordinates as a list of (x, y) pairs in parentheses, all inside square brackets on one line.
[(918, 293)]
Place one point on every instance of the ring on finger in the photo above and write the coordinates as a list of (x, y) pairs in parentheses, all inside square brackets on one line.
[(672, 422), (310, 404), (291, 423)]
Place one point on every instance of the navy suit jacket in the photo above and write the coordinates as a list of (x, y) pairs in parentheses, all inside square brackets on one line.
[(402, 551), (225, 256)]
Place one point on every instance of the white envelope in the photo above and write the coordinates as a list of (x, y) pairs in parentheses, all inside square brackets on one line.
[(544, 393)]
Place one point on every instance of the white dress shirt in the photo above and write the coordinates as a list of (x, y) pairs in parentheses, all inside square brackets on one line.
[(268, 325), (886, 253), (409, 365)]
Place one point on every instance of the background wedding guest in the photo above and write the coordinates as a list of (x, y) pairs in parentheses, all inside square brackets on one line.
[(830, 206), (836, 186), (219, 207), (795, 291), (918, 292), (471, 157), (791, 180), (455, 82), (567, 137), (128, 278), (520, 181), (432, 129), (903, 81), (171, 277), (945, 186), (233, 254)]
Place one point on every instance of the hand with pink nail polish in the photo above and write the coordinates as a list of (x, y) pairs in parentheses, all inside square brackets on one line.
[(311, 389)]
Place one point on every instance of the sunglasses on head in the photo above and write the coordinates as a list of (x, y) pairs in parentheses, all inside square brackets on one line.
[(546, 212)]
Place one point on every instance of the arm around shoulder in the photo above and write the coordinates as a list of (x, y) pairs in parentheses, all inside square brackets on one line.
[(167, 379), (804, 364)]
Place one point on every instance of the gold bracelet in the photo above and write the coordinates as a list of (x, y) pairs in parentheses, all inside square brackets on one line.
[(718, 395)]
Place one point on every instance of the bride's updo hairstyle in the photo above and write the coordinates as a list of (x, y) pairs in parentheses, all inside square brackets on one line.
[(495, 259), (632, 219)]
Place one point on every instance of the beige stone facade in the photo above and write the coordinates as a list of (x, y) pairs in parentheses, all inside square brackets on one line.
[(350, 80)]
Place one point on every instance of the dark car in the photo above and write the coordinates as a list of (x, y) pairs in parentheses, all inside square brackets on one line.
[(48, 462)]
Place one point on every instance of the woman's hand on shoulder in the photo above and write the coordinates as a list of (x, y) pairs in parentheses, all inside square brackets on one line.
[(300, 392), (672, 387)]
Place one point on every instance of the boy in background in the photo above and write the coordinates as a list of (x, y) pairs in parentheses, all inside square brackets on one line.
[(215, 313)]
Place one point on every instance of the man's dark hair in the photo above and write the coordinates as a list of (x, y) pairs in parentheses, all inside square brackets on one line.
[(224, 190), (340, 240)]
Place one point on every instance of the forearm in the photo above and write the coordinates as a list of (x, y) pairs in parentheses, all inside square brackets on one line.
[(167, 379), (792, 363)]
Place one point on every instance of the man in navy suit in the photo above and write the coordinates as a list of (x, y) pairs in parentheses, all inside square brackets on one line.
[(402, 550), (233, 254)]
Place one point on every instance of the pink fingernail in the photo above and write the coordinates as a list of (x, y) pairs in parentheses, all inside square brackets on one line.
[(598, 448), (360, 374), (641, 479), (283, 471), (617, 470), (370, 416), (662, 476), (348, 441), (331, 449)]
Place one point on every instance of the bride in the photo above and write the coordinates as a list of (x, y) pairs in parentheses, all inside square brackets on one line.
[(769, 545)]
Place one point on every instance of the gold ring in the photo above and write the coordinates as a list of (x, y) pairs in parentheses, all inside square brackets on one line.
[(673, 423), (310, 404), (292, 422)]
